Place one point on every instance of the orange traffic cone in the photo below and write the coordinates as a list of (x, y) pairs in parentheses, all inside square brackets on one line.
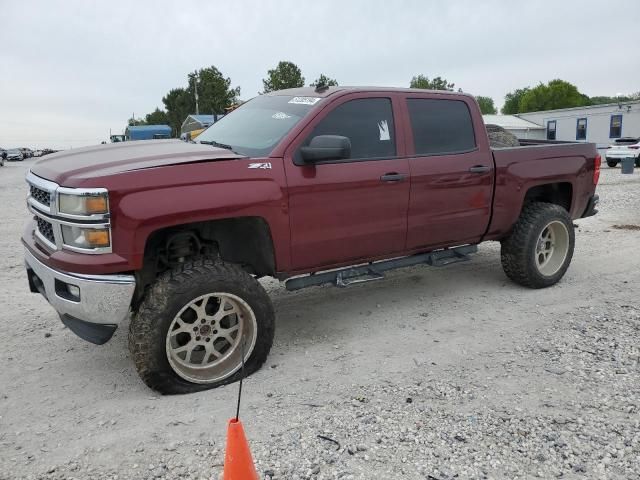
[(238, 463)]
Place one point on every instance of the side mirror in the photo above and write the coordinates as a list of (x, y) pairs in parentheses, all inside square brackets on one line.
[(326, 147)]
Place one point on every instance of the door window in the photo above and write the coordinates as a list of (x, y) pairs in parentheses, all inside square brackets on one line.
[(440, 127), (551, 130), (367, 123)]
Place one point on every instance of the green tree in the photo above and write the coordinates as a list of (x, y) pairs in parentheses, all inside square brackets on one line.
[(555, 94), (486, 105), (157, 117), (599, 100), (285, 75), (324, 81), (214, 90), (438, 83), (178, 103), (135, 121), (512, 101)]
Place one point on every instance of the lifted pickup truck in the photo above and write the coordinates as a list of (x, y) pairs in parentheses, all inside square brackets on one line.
[(308, 186)]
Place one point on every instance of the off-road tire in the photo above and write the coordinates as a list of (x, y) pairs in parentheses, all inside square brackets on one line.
[(518, 250), (612, 163), (172, 291)]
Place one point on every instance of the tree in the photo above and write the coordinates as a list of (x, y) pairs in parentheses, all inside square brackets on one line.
[(135, 121), (555, 94), (178, 103), (324, 81), (214, 95), (486, 105), (157, 117), (512, 101), (214, 90), (285, 75), (438, 83), (618, 99)]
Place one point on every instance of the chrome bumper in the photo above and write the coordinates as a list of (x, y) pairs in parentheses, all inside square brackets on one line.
[(101, 299)]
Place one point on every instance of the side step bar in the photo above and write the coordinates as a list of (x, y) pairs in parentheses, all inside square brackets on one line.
[(374, 270)]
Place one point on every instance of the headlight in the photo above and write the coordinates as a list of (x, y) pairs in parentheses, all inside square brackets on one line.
[(85, 237), (83, 204)]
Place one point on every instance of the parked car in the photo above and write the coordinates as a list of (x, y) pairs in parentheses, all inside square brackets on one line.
[(332, 185), (15, 155), (3, 156), (623, 148)]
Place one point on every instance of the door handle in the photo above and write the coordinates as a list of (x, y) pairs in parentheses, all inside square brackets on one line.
[(479, 169), (393, 177)]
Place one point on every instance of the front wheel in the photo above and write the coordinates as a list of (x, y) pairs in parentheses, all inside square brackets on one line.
[(538, 251), (196, 321)]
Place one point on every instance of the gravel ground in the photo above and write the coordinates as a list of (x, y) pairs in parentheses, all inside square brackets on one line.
[(430, 374)]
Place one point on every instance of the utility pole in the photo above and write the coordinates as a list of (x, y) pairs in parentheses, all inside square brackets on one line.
[(195, 89)]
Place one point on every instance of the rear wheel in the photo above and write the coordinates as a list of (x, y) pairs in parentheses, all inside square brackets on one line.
[(538, 251), (612, 163), (194, 325)]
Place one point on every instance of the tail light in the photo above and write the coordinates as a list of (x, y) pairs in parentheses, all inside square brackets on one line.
[(596, 170)]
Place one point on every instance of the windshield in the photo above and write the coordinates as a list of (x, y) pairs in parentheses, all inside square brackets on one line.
[(14, 150), (256, 127)]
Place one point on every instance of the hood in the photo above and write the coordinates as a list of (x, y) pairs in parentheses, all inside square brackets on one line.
[(72, 168)]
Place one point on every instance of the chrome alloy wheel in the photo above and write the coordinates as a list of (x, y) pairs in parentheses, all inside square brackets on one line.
[(552, 248), (204, 339)]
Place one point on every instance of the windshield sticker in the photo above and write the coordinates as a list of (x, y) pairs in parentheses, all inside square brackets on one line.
[(280, 116), (305, 100), (384, 130)]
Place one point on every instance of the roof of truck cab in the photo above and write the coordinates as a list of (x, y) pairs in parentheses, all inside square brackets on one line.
[(311, 91)]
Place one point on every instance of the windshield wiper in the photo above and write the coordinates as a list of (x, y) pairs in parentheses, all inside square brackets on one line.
[(219, 145)]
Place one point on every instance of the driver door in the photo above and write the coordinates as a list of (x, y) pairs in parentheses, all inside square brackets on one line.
[(354, 209)]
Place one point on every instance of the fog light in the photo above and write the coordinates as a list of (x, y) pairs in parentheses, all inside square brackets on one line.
[(67, 291), (74, 291)]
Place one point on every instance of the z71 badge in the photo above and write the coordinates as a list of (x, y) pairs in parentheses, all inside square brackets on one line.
[(264, 166)]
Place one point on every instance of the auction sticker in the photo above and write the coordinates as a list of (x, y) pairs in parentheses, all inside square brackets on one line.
[(305, 100)]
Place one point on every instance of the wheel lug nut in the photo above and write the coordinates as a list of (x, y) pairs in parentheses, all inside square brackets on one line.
[(208, 339), (215, 331), (198, 339), (195, 329), (202, 321)]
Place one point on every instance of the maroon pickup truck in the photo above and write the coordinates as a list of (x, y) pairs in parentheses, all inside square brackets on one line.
[(333, 185)]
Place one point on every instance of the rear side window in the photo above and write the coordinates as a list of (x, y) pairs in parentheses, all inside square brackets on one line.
[(440, 126), (367, 123)]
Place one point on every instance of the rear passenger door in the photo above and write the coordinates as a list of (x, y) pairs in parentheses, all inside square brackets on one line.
[(342, 211), (452, 174)]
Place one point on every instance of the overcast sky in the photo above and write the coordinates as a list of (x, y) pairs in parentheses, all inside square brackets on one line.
[(72, 70)]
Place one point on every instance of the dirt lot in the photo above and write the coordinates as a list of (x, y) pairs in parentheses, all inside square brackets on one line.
[(432, 373)]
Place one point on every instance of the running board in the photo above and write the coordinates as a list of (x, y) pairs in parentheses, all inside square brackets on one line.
[(375, 270)]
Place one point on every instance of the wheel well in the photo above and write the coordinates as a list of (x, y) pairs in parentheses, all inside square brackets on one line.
[(245, 241), (556, 193)]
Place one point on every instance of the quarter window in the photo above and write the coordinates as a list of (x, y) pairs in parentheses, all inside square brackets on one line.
[(551, 130), (581, 129), (367, 123), (440, 126), (615, 127)]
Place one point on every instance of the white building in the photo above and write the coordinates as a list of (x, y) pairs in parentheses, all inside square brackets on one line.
[(599, 124), (520, 127)]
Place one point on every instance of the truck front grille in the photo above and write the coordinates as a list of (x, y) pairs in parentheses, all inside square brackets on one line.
[(45, 229), (41, 196)]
